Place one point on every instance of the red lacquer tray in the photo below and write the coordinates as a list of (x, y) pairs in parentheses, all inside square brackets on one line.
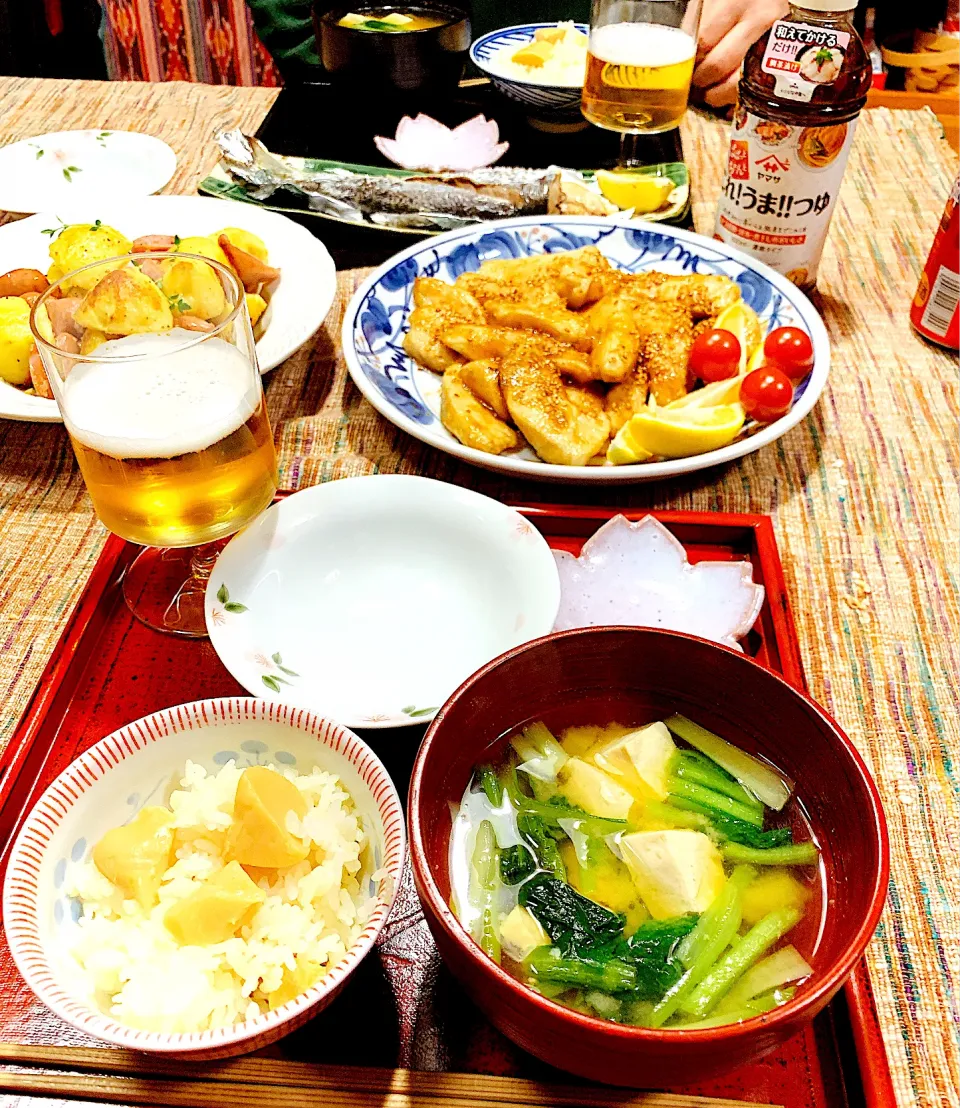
[(108, 670)]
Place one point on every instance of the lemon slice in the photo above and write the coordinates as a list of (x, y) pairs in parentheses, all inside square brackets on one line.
[(642, 192), (624, 450), (716, 393), (680, 433), (745, 324)]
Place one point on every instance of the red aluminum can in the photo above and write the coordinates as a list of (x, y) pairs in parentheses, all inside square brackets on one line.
[(934, 309)]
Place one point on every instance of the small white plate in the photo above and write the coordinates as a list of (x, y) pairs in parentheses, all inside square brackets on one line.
[(64, 167), (373, 598), (298, 304)]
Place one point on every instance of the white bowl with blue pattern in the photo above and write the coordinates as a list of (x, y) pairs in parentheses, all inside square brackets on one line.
[(377, 317), (544, 97), (138, 765)]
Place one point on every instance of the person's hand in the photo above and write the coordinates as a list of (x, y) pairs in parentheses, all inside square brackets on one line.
[(728, 28)]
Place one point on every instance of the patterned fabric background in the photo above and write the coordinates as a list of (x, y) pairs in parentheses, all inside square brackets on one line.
[(185, 40)]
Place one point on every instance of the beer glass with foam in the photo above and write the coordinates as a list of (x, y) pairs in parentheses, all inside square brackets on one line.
[(152, 360), (639, 67)]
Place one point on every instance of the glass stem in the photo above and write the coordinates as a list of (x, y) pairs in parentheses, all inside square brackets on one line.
[(629, 150), (192, 591)]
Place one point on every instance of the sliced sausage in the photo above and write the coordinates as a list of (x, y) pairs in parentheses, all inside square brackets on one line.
[(38, 376), (252, 272), (194, 323), (152, 242), (18, 281), (61, 316)]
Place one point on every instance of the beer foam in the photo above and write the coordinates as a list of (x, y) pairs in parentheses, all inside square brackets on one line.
[(642, 44), (167, 401)]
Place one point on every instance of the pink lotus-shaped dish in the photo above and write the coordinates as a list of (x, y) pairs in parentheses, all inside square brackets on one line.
[(423, 143), (637, 574)]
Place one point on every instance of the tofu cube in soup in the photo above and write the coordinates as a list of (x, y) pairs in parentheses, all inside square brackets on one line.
[(521, 934), (675, 871), (593, 790), (642, 758)]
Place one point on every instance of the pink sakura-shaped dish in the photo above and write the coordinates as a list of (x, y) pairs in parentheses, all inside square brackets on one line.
[(638, 575), (423, 143)]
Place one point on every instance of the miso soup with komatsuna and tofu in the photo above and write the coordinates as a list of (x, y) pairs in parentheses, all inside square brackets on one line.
[(393, 20), (656, 876)]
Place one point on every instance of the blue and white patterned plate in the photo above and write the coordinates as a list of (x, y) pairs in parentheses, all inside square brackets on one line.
[(376, 321), (486, 50)]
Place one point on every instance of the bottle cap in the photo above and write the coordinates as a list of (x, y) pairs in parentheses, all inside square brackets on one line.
[(827, 5)]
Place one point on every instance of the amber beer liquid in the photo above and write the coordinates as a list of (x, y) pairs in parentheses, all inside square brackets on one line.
[(175, 449), (638, 77)]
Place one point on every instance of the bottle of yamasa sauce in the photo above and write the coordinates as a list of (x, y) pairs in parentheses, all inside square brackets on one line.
[(802, 88), (934, 311)]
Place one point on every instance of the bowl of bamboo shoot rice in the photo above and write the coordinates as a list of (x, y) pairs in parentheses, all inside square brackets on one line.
[(205, 879)]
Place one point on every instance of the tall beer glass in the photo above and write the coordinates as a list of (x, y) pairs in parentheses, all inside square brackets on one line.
[(639, 67), (168, 423)]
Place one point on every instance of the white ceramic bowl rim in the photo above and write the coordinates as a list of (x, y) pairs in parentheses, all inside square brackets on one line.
[(20, 891)]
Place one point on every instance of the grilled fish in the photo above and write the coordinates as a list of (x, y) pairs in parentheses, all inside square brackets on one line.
[(482, 194)]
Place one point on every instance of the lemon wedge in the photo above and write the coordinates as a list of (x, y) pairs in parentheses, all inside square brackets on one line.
[(624, 450), (642, 192), (745, 324), (680, 433), (716, 393)]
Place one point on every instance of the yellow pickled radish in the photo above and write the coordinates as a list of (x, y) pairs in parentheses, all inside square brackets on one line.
[(642, 192), (743, 322), (680, 434)]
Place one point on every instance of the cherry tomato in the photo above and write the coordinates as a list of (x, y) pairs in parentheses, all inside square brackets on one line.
[(766, 394), (715, 355), (791, 351)]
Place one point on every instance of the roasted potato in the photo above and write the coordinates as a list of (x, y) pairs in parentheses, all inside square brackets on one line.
[(193, 288), (471, 421), (245, 240), (256, 306), (125, 302), (204, 245), (16, 341), (83, 243)]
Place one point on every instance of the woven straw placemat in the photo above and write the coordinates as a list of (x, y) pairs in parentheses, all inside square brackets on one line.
[(863, 494)]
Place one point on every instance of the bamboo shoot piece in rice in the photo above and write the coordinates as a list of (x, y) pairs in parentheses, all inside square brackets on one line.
[(623, 873)]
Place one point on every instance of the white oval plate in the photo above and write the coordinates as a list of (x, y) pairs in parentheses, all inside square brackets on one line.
[(68, 167), (373, 598), (298, 305), (376, 320)]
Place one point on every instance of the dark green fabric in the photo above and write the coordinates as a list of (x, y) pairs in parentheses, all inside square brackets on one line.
[(488, 15), (286, 27)]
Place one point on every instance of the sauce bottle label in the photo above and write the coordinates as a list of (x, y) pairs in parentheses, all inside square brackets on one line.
[(780, 190), (800, 57)]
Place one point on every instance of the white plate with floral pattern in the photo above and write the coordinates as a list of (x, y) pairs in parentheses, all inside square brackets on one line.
[(370, 599), (44, 172)]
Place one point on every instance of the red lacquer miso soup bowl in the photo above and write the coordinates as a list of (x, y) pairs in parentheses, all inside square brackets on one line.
[(634, 676)]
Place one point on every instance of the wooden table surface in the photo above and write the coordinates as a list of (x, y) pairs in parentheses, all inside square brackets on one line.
[(863, 495)]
